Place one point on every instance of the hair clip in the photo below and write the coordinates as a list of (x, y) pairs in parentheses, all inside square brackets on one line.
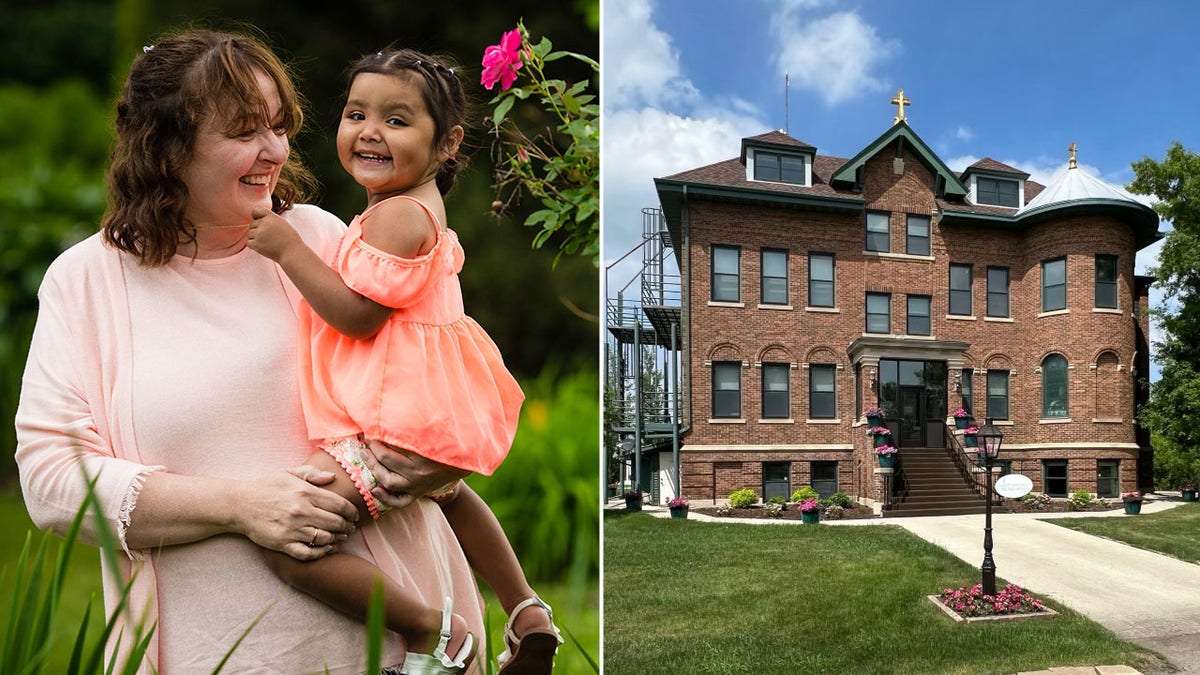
[(437, 67), (146, 48)]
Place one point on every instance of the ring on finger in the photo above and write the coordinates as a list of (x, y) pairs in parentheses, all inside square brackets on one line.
[(314, 537)]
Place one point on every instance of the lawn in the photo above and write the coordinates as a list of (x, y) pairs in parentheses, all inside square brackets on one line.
[(683, 596), (1172, 532), (580, 615)]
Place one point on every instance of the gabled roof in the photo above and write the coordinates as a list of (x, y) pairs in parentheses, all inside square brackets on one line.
[(847, 174)]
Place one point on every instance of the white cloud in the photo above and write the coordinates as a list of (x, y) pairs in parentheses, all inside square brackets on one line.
[(641, 67), (834, 56), (964, 133), (641, 145)]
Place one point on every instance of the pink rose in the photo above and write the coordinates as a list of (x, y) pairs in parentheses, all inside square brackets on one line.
[(501, 62)]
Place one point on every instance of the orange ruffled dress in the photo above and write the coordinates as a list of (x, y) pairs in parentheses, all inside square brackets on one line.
[(430, 381)]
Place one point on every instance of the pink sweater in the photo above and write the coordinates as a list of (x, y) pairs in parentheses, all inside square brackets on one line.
[(191, 368)]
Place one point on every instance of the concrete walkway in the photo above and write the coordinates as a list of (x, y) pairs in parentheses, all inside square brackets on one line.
[(1141, 596), (1144, 597)]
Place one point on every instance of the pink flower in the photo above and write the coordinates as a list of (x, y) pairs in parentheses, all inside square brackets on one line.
[(501, 62)]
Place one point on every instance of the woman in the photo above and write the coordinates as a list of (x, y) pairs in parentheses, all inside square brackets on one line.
[(163, 367)]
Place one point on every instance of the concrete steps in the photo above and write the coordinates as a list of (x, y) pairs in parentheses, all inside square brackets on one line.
[(935, 486)]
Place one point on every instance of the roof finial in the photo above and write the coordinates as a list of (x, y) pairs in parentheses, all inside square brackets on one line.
[(900, 102), (1072, 148)]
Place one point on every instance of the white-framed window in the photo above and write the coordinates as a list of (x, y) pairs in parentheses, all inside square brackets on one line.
[(997, 192), (778, 167)]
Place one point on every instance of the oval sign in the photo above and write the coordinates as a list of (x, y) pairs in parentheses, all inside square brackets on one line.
[(1014, 486)]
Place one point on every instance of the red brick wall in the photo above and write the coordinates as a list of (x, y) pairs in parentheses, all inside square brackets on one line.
[(751, 334)]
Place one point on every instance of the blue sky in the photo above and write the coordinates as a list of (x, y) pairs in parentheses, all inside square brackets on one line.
[(1018, 81)]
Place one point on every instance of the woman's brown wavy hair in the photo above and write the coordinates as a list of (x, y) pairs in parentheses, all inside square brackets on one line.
[(172, 88)]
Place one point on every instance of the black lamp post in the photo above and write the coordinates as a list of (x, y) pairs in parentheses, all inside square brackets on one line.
[(989, 448)]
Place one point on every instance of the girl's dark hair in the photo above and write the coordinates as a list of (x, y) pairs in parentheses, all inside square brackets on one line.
[(172, 88), (441, 91)]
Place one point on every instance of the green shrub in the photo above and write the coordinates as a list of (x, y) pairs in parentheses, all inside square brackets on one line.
[(545, 494), (781, 501), (1080, 500), (841, 499), (743, 499), (774, 509), (806, 492), (1035, 500)]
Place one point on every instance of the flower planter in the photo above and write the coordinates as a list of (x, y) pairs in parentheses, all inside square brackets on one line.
[(882, 440), (874, 420), (971, 441), (1133, 508), (633, 503), (679, 511), (962, 422), (887, 461), (810, 517), (1189, 495)]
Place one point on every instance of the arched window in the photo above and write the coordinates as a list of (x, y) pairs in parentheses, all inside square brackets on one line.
[(1054, 386)]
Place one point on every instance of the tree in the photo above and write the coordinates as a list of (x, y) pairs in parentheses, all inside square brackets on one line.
[(1174, 402)]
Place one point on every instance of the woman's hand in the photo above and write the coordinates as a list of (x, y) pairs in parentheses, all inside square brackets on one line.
[(287, 511), (404, 476)]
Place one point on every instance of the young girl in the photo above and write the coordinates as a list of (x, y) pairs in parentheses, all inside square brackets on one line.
[(393, 359)]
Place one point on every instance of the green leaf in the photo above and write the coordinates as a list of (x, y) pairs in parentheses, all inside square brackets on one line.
[(502, 109)]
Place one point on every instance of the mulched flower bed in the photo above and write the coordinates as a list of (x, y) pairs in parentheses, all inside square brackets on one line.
[(854, 512), (1057, 506)]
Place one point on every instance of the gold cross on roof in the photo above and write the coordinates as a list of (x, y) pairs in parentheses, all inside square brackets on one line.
[(1072, 148), (900, 102)]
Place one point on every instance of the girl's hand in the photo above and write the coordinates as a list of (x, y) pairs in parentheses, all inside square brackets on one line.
[(404, 476), (286, 511), (271, 235)]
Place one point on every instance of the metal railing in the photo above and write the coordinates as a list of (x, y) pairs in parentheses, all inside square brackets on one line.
[(960, 457)]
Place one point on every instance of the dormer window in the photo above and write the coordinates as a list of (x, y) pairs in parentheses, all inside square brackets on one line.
[(997, 192), (779, 167)]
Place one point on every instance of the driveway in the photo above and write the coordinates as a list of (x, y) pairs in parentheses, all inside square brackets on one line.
[(1144, 597)]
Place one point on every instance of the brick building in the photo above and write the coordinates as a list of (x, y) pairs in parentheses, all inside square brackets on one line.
[(817, 286)]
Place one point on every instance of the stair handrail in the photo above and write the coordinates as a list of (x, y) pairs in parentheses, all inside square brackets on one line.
[(958, 455)]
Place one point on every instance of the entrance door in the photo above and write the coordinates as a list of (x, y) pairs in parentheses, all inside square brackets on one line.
[(912, 416)]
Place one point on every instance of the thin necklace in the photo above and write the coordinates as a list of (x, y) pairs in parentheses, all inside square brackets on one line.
[(218, 227)]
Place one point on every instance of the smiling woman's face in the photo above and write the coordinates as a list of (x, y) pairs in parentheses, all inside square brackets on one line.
[(234, 170)]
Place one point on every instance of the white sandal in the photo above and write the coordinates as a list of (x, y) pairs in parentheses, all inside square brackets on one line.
[(440, 663), (533, 653)]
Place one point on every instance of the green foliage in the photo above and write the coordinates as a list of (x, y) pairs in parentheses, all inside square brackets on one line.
[(1175, 398), (1173, 466), (841, 499), (546, 493), (559, 170), (1080, 500), (53, 148), (780, 501), (743, 498), (804, 492)]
